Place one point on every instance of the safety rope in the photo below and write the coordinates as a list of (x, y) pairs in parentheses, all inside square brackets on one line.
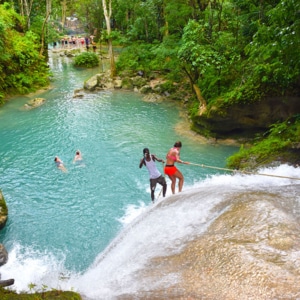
[(243, 172)]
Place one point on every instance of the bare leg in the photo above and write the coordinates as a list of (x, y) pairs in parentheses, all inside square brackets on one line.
[(173, 179), (179, 175)]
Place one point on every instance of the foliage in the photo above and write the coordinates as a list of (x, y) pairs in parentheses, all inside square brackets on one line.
[(136, 57), (282, 139), (3, 206), (50, 295), (86, 59), (22, 69)]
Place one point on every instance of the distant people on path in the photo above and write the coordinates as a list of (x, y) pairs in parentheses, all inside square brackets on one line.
[(87, 43), (170, 169), (155, 176), (94, 46), (81, 42), (59, 163)]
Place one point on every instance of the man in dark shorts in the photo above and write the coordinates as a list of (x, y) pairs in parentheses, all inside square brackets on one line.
[(155, 176)]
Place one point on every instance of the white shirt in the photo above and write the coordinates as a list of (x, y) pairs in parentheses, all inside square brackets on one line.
[(153, 171)]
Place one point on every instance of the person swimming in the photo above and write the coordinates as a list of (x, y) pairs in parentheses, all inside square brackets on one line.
[(59, 164), (78, 160), (170, 169), (78, 156)]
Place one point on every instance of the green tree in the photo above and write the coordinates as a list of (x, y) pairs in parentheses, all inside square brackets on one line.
[(22, 69), (274, 56)]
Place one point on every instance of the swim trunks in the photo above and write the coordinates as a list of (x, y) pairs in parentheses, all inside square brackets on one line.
[(170, 170), (58, 163)]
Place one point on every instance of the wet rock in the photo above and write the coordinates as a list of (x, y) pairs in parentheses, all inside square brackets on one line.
[(3, 255), (36, 102)]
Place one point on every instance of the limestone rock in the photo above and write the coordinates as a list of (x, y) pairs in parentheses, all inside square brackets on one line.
[(91, 83), (246, 119), (78, 93), (36, 102)]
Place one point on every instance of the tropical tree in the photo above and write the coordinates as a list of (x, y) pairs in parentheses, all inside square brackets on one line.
[(107, 10), (22, 69)]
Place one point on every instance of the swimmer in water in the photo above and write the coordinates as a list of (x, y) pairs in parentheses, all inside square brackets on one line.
[(59, 163), (78, 156)]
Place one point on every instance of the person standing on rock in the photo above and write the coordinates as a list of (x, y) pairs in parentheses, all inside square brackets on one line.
[(155, 176), (173, 156)]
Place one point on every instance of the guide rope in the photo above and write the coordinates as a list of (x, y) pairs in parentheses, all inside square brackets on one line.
[(243, 172)]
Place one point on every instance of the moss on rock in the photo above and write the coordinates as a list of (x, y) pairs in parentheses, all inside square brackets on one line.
[(51, 295), (3, 211)]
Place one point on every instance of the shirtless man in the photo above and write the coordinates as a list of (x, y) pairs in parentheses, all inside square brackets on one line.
[(174, 156), (155, 176)]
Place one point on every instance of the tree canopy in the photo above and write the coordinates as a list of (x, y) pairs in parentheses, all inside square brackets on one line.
[(230, 51)]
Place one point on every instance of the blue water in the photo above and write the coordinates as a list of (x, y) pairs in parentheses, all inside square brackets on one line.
[(75, 215)]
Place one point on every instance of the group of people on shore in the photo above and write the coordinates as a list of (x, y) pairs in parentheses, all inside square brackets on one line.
[(170, 169), (60, 164), (76, 42)]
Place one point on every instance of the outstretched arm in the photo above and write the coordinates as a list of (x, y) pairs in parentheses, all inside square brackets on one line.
[(156, 158), (183, 162), (142, 162)]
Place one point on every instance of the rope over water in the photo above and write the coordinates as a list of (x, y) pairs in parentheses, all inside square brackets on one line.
[(243, 172)]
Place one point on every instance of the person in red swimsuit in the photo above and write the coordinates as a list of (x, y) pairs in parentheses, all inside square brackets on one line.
[(170, 169)]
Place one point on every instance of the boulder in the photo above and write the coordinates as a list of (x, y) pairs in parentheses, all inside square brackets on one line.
[(240, 119), (118, 83), (78, 93), (36, 102), (152, 97), (3, 255), (91, 83)]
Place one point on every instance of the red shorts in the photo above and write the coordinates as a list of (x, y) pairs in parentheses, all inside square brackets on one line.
[(170, 170)]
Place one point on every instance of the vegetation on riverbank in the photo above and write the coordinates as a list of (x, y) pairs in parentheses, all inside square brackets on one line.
[(22, 68), (3, 211), (50, 295), (281, 144), (86, 59)]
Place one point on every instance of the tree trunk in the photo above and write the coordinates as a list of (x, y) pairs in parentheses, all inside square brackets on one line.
[(25, 10), (107, 15), (48, 12), (202, 106), (63, 12), (197, 91)]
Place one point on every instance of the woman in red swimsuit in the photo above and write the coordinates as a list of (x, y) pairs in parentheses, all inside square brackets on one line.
[(174, 156)]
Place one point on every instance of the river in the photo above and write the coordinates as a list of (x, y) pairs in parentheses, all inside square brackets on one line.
[(94, 229)]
